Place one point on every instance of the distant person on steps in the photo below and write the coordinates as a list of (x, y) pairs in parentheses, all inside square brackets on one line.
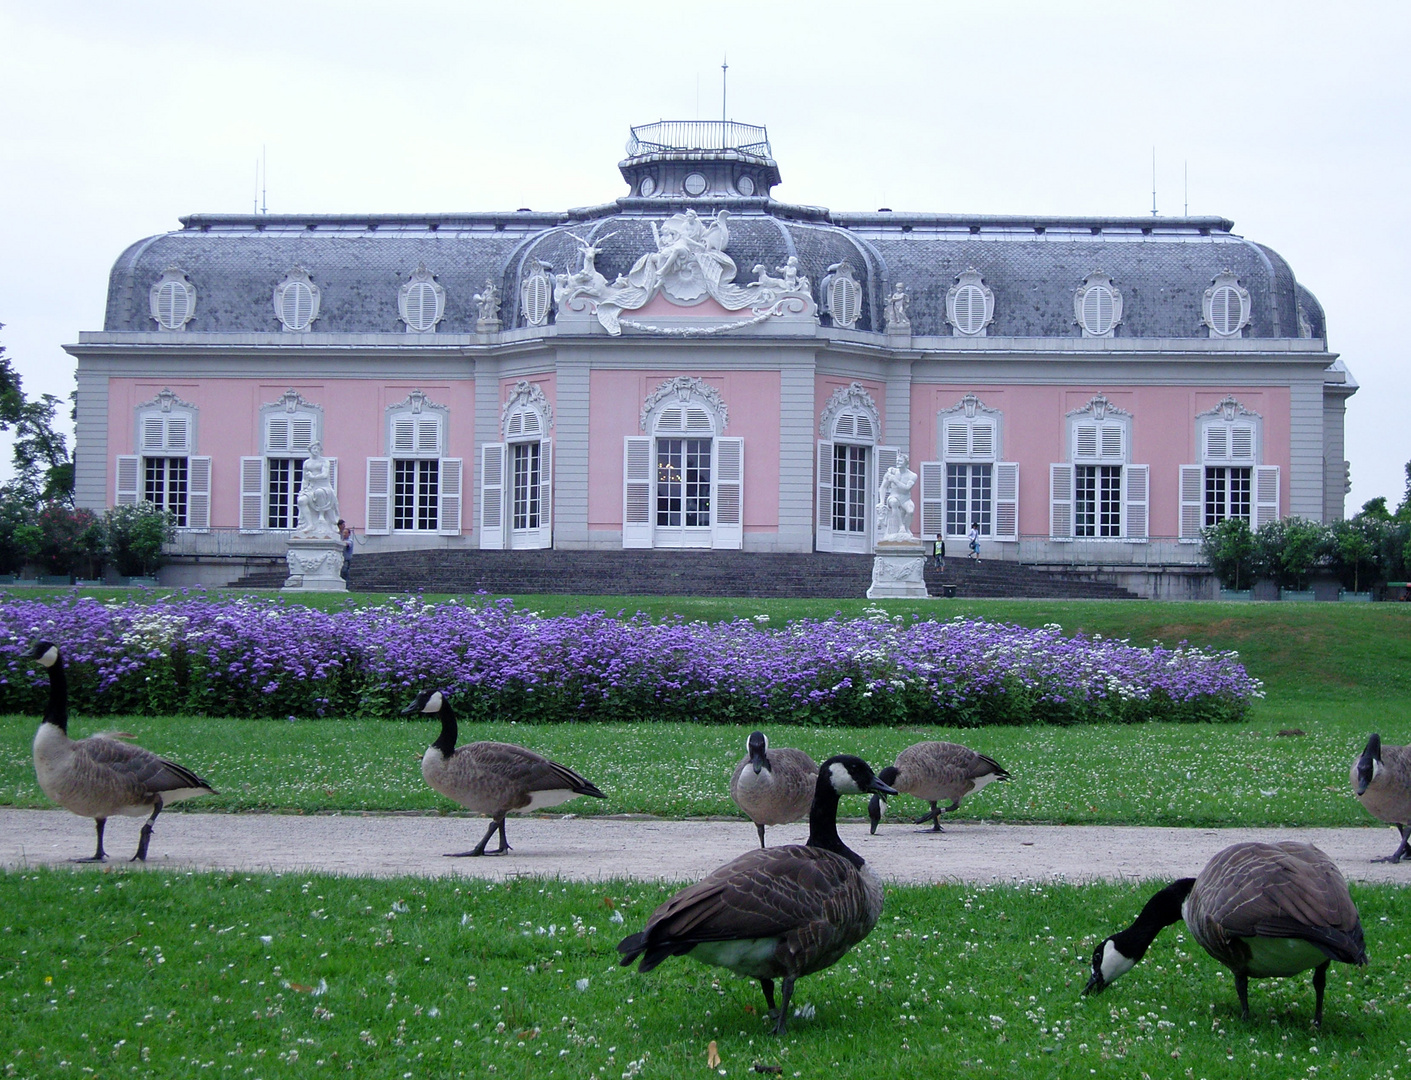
[(975, 540)]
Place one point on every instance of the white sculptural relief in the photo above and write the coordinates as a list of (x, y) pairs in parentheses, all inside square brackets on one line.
[(895, 311), (318, 505), (688, 265), (894, 502)]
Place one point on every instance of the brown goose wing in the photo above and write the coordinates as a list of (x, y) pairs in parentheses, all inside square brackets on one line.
[(942, 770), (1288, 889), (136, 766), (524, 769), (761, 894)]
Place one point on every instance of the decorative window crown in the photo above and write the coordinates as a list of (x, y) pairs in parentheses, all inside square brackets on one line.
[(290, 425), (296, 301), (842, 295), (1097, 305), (421, 302), (1225, 307), (1229, 433), (970, 305), (173, 300), (684, 391), (1099, 432), (527, 412), (416, 427), (851, 400), (166, 424), (970, 431)]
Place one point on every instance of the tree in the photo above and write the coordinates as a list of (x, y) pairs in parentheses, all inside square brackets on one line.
[(134, 536), (1286, 550), (1355, 547), (1229, 549), (70, 541), (41, 454), (11, 395)]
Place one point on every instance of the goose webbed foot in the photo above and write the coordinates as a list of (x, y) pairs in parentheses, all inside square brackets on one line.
[(496, 825), (1401, 852), (934, 816), (99, 855)]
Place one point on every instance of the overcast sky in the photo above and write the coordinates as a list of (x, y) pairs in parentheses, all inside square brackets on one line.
[(1291, 118)]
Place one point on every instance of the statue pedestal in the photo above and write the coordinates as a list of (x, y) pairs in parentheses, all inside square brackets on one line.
[(897, 571), (315, 565)]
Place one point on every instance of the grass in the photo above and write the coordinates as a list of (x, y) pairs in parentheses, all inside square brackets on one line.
[(125, 973)]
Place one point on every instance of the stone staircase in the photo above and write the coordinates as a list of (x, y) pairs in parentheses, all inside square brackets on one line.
[(684, 573)]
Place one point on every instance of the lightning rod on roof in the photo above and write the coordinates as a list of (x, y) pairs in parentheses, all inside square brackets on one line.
[(1186, 183), (1153, 181), (264, 176), (724, 73)]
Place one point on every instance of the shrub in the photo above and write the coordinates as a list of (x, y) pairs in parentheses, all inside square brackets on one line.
[(1287, 550), (68, 541), (134, 536), (1229, 549), (262, 658), (1355, 548)]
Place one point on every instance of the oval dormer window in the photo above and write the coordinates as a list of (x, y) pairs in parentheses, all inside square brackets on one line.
[(648, 187), (421, 306), (1226, 311), (173, 300), (296, 300), (745, 186), (1097, 305), (970, 309), (694, 184)]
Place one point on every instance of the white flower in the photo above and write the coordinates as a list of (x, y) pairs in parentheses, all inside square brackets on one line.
[(582, 984)]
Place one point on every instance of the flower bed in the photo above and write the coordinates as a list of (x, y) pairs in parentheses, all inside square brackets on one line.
[(264, 658)]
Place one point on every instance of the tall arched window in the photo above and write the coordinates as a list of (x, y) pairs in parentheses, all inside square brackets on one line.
[(683, 481), (1098, 493), (850, 463), (516, 474), (416, 488), (165, 472)]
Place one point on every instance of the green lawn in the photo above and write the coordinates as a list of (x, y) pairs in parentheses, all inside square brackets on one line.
[(1332, 671), (151, 974)]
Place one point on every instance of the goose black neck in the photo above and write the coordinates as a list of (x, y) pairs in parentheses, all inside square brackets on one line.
[(56, 712), (1160, 911), (446, 741), (823, 822)]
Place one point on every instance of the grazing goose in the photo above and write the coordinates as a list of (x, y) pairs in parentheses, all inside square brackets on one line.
[(776, 913), (933, 771), (1262, 910), (774, 787), (1381, 780), (490, 777), (100, 776)]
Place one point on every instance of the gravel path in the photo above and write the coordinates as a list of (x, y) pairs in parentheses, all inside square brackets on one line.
[(384, 845)]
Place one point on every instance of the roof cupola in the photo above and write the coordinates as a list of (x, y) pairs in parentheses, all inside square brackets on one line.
[(699, 159)]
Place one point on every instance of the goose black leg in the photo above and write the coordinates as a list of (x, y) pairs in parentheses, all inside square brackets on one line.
[(145, 837), (761, 833), (767, 985), (504, 844), (779, 1028), (479, 849), (933, 816), (1320, 980), (100, 855), (1400, 853), (1242, 989)]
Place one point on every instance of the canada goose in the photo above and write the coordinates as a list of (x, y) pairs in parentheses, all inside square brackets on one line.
[(1381, 780), (774, 787), (1262, 910), (490, 777), (100, 776), (776, 913), (933, 771)]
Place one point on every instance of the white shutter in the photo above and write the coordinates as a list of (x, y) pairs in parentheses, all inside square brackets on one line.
[(1216, 445), (198, 494), (823, 539), (933, 500), (1192, 501), (957, 440), (449, 514), (277, 433), (637, 485), (252, 494), (883, 458), (1242, 443), (403, 435), (546, 492), (1006, 500), (333, 475), (178, 431), (379, 496), (1060, 501), (1111, 442), (428, 436), (153, 433), (982, 441), (129, 476), (728, 499), (1137, 479), (1085, 443), (492, 495), (1266, 495), (301, 433)]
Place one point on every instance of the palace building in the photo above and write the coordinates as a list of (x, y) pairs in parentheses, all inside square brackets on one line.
[(699, 366)]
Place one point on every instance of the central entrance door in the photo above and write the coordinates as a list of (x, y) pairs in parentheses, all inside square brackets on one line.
[(683, 510)]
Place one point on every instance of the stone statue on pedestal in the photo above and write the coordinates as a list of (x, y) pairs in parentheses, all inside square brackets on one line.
[(318, 505), (894, 502)]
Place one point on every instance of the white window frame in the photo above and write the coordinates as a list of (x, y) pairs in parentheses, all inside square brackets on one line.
[(1224, 287), (166, 428), (685, 407), (1227, 436), (526, 417), (162, 300), (971, 284), (970, 433), (288, 428), (1091, 287), (850, 416), (1100, 434), (424, 283), (297, 278), (415, 430)]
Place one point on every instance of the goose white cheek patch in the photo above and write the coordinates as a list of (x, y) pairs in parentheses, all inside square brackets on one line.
[(433, 703), (842, 780), (1114, 964), (51, 655)]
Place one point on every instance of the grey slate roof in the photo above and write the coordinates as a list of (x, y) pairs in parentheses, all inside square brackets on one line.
[(1161, 266)]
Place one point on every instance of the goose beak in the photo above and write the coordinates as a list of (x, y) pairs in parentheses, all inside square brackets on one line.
[(1096, 984), (879, 788), (874, 812), (414, 707)]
